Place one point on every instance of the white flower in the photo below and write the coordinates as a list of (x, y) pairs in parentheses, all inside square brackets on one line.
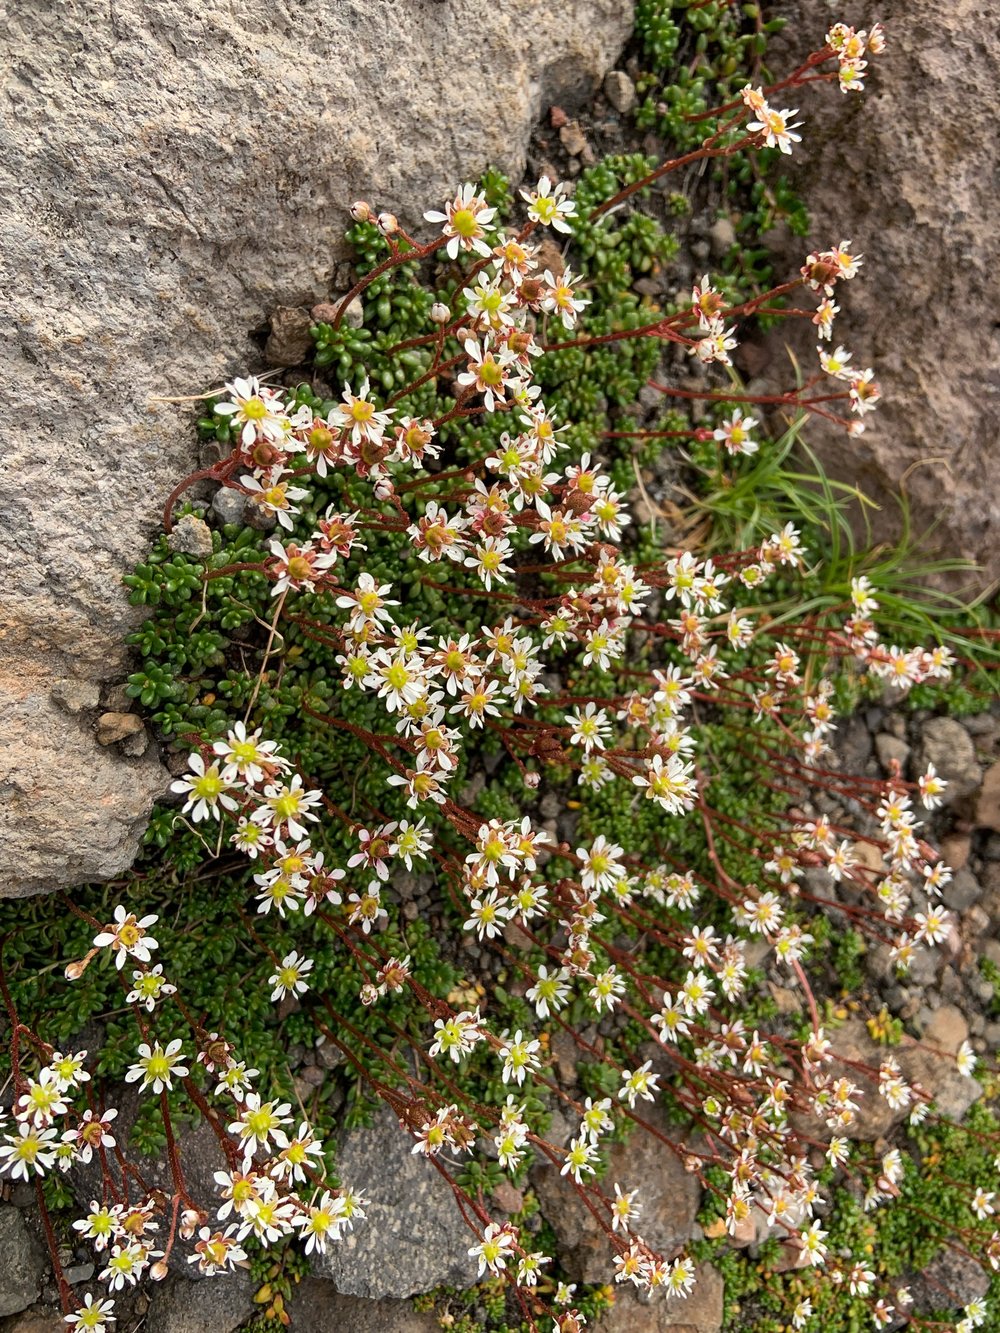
[(550, 989), (965, 1059), (157, 1066), (206, 789), (260, 1124), (321, 1223), (258, 410), (43, 1101), (288, 980), (93, 1316), (215, 1251), (638, 1083), (30, 1150), (519, 1056), (549, 206), (359, 417), (775, 128), (245, 755), (149, 987), (495, 1249), (127, 936), (465, 221), (580, 1158)]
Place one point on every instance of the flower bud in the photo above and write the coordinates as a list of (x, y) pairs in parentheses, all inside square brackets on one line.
[(189, 1223), (388, 224), (532, 779), (159, 1270), (440, 314), (264, 454), (74, 971), (361, 211)]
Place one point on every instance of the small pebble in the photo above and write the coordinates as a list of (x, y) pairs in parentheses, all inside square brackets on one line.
[(573, 138), (721, 237), (620, 91), (191, 536), (113, 727), (326, 312), (288, 343), (229, 504)]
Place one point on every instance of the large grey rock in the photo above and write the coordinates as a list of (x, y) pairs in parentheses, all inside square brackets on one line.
[(915, 183), (413, 1237), (173, 170), (21, 1263)]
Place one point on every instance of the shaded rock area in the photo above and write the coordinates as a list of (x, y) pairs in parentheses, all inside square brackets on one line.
[(215, 1305), (22, 1265), (413, 1238), (951, 1280), (910, 172), (191, 175)]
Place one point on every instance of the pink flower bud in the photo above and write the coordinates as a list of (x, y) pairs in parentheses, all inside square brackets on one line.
[(361, 211)]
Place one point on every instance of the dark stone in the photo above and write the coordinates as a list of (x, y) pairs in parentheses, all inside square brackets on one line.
[(414, 1237)]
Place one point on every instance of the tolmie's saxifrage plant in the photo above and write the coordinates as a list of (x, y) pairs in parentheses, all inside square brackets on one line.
[(591, 663)]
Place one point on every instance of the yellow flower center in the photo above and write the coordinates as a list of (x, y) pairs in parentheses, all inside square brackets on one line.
[(286, 805), (464, 224), (208, 786), (260, 1123), (158, 1066), (299, 568), (397, 676)]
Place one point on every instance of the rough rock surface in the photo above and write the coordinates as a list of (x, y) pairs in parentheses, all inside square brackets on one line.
[(21, 1263), (173, 171), (214, 1305), (910, 171), (413, 1237), (669, 1196), (949, 1281), (35, 1321)]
